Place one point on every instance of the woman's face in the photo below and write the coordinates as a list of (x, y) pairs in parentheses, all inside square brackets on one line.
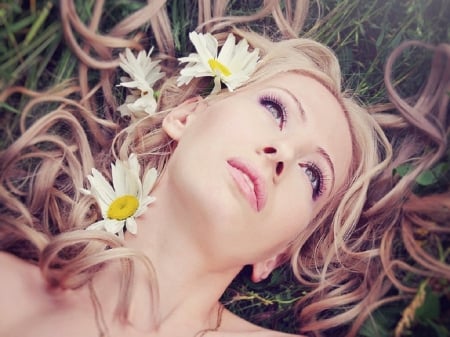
[(252, 170)]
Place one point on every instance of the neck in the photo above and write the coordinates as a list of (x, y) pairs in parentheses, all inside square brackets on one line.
[(189, 280)]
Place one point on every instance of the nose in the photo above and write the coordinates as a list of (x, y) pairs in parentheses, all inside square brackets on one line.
[(279, 154), (273, 154)]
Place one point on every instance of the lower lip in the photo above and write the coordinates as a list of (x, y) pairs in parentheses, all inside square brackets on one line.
[(243, 185)]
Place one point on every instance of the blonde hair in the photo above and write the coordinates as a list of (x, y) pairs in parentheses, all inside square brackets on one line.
[(41, 173)]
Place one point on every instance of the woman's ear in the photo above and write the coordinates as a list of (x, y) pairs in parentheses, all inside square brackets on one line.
[(176, 120), (261, 270)]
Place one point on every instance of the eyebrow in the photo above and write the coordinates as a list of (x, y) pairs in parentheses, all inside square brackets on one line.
[(320, 150), (297, 102)]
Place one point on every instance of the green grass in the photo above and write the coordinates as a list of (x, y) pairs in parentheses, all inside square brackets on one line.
[(362, 32)]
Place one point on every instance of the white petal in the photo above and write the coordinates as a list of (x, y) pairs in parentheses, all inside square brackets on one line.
[(235, 81), (146, 103), (143, 71), (192, 58), (134, 172), (125, 180), (188, 73), (227, 50), (131, 225), (143, 205), (182, 80), (123, 109), (217, 85), (245, 61), (138, 84), (126, 60), (206, 46), (134, 185), (98, 226), (133, 163), (197, 70), (198, 66), (120, 234), (85, 191), (211, 44), (118, 178), (149, 180), (100, 188), (114, 226)]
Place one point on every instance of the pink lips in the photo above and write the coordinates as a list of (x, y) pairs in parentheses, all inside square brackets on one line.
[(249, 182)]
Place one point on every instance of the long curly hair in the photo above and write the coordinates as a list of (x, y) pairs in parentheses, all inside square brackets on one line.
[(345, 256)]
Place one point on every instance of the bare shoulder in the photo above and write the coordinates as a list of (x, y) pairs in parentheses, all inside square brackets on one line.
[(270, 333), (18, 280), (17, 273), (256, 333), (29, 307), (235, 326)]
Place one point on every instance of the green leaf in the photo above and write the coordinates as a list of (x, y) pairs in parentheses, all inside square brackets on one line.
[(430, 308), (403, 170), (382, 322), (441, 169), (426, 178), (432, 176)]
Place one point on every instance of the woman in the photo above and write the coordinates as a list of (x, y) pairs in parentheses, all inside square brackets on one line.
[(274, 168)]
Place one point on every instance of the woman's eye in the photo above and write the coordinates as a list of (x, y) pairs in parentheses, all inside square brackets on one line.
[(315, 177), (276, 108)]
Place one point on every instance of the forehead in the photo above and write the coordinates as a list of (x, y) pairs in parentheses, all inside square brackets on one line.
[(326, 122)]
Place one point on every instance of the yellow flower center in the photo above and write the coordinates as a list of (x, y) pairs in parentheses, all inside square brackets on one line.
[(218, 67), (123, 207)]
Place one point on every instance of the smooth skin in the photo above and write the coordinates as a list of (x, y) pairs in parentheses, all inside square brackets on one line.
[(289, 134)]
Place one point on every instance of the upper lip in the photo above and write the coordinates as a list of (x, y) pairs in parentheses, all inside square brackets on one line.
[(255, 177)]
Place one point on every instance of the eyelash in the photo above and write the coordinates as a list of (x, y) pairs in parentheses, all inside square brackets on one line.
[(274, 101), (319, 175)]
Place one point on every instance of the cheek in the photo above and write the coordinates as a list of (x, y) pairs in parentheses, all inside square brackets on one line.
[(293, 209), (295, 218)]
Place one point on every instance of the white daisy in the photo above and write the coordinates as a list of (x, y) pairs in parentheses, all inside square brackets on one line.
[(232, 66), (144, 73), (127, 199), (138, 104)]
